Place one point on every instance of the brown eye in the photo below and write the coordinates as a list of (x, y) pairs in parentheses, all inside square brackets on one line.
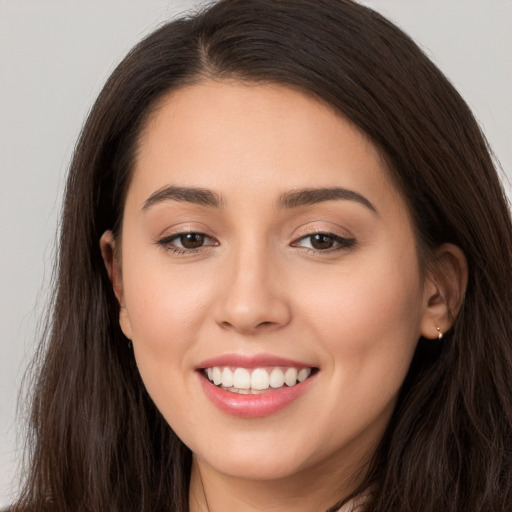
[(322, 241), (182, 243), (192, 240)]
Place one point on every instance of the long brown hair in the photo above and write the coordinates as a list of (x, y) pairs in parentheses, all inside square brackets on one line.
[(97, 440)]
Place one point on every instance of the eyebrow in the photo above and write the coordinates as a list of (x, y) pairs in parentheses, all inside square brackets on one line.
[(309, 196), (292, 199), (200, 196)]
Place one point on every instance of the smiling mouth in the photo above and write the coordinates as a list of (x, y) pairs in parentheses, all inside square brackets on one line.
[(256, 380)]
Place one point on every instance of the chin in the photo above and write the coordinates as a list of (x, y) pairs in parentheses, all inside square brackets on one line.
[(257, 466)]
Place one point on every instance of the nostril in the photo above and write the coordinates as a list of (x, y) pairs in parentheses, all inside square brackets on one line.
[(263, 324), (225, 323)]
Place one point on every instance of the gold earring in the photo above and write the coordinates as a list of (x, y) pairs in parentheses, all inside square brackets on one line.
[(439, 333)]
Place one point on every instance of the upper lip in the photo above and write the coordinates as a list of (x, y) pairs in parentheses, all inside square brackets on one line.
[(255, 361)]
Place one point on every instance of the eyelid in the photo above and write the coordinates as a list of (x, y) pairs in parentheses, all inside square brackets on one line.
[(176, 236), (342, 242), (345, 241), (322, 227), (185, 227), (166, 241)]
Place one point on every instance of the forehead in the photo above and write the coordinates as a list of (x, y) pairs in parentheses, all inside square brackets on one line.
[(242, 137)]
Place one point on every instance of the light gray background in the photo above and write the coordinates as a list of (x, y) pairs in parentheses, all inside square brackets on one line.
[(55, 56)]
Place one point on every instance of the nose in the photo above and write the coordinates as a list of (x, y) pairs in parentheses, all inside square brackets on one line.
[(253, 295)]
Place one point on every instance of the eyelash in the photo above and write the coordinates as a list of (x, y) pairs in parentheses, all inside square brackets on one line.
[(341, 242), (167, 242)]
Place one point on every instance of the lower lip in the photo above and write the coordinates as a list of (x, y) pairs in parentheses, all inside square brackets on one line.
[(254, 406)]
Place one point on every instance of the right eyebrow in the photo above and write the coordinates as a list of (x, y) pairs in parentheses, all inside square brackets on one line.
[(194, 195), (308, 196)]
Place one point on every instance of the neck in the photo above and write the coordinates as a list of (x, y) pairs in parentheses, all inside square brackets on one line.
[(313, 490)]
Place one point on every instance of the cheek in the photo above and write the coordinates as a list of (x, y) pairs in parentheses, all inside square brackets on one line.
[(379, 292), (368, 321), (380, 312), (166, 308), (368, 326), (162, 301)]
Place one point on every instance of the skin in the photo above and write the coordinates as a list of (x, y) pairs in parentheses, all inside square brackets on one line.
[(257, 285)]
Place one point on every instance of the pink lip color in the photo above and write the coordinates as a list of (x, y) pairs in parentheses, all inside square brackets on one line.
[(257, 361), (252, 406)]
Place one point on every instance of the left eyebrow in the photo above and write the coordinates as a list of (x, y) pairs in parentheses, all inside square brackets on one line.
[(201, 196), (309, 196)]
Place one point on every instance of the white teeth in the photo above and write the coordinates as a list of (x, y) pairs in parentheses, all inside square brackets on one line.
[(259, 379), (217, 376), (290, 377), (241, 380), (276, 378), (227, 378), (303, 374)]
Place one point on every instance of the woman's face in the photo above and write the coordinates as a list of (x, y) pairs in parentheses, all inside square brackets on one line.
[(263, 242)]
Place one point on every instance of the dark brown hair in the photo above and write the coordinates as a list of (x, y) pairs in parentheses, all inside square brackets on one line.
[(99, 443)]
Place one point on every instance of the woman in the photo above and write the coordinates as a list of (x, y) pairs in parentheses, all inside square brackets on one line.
[(284, 280)]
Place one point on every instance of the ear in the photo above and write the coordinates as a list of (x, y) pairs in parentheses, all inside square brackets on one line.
[(113, 266), (444, 290)]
